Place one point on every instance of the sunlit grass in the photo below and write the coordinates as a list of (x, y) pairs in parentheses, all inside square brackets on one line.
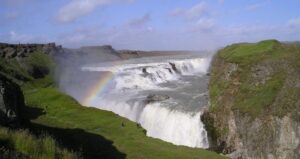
[(64, 112), (248, 96), (44, 147)]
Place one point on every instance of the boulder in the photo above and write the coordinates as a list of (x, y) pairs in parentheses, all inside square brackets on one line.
[(174, 68), (156, 98)]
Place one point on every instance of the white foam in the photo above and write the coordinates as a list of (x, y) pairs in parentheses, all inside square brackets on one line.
[(147, 76), (179, 128)]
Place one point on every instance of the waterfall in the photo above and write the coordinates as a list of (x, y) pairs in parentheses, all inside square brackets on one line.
[(134, 81)]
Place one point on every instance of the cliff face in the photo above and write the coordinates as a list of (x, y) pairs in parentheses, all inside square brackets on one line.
[(255, 101), (11, 102), (20, 63)]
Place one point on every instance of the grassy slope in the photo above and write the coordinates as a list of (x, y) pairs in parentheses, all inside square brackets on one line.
[(25, 143), (251, 98), (22, 141), (93, 133), (63, 112)]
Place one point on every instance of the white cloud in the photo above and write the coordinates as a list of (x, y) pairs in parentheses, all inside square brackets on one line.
[(195, 12), (206, 35), (205, 23), (198, 17), (78, 8), (294, 23)]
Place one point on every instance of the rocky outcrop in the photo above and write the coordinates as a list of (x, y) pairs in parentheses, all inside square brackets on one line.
[(11, 102), (27, 61), (94, 54), (255, 105), (241, 137), (23, 50), (21, 63), (156, 98)]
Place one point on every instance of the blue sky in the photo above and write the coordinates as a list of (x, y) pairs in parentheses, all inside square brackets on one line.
[(149, 24)]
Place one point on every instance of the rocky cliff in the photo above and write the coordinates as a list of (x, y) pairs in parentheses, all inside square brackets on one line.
[(255, 101), (11, 102), (20, 63), (25, 62), (23, 50)]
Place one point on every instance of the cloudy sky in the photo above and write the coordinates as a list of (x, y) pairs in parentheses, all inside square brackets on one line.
[(149, 24)]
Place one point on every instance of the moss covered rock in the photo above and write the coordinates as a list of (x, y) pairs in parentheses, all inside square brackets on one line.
[(255, 100)]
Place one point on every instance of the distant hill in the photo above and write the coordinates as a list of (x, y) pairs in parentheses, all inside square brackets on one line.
[(128, 54), (94, 54)]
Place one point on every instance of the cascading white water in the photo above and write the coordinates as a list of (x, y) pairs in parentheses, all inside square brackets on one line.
[(175, 119), (149, 75), (178, 127)]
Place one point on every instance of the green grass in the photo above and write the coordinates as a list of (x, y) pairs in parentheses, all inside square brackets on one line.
[(247, 53), (35, 65), (12, 70), (248, 96), (41, 61), (216, 90), (263, 84), (255, 99), (63, 112), (44, 147), (22, 141)]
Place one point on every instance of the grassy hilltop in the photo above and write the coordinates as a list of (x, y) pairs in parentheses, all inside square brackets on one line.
[(259, 71)]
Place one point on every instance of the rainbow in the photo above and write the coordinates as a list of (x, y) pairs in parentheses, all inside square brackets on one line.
[(103, 83)]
